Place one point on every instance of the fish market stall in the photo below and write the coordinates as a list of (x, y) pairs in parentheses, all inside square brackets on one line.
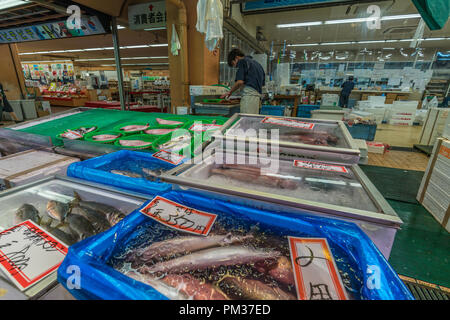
[(311, 138), (8, 147), (329, 189), (62, 211), (31, 165), (229, 251), (130, 170)]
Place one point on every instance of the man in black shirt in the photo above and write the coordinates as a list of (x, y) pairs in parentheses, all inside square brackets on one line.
[(347, 88), (251, 76), (4, 103)]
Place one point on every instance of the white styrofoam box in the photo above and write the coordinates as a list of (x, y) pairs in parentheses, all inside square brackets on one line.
[(401, 122), (327, 114), (444, 153), (429, 169), (329, 99), (420, 116), (434, 125), (377, 99), (207, 90), (438, 188), (375, 147), (362, 146), (436, 210), (410, 104), (402, 117), (31, 165)]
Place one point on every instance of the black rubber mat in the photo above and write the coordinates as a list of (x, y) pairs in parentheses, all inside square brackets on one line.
[(425, 149), (395, 184)]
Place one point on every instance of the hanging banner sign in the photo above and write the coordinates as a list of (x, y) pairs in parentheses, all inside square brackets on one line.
[(147, 15), (180, 217), (52, 30), (262, 5)]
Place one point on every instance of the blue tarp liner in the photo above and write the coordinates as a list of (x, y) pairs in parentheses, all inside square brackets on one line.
[(353, 251), (99, 170)]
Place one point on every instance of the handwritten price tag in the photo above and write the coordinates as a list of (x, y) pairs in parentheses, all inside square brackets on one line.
[(319, 166), (204, 127), (72, 135), (170, 157), (315, 271), (29, 254), (178, 216), (289, 123)]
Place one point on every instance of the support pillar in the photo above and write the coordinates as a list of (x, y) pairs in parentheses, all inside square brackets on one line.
[(11, 75)]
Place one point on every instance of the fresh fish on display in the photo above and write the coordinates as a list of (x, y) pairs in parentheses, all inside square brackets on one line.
[(183, 245), (134, 143), (194, 288), (27, 212), (97, 219), (85, 130), (126, 173), (315, 138), (134, 127), (112, 214), (58, 210), (177, 143), (168, 122), (253, 289), (80, 225), (105, 137), (212, 258), (252, 174), (159, 131), (151, 174), (281, 271)]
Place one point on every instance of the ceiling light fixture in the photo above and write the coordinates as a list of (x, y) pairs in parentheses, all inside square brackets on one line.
[(159, 45), (12, 3), (154, 29), (386, 18), (335, 43), (300, 24), (303, 45)]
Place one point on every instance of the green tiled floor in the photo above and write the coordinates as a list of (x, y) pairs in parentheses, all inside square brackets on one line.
[(422, 247)]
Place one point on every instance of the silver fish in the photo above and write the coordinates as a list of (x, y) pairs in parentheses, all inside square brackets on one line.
[(134, 143), (152, 173), (97, 219), (187, 244), (105, 137), (126, 173), (253, 289), (210, 258), (163, 288), (132, 128), (112, 214), (58, 210), (80, 225), (27, 212), (167, 122)]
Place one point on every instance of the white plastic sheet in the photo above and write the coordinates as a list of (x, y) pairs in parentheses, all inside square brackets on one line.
[(210, 21)]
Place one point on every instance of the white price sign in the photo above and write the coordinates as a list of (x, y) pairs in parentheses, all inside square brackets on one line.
[(28, 254), (180, 217)]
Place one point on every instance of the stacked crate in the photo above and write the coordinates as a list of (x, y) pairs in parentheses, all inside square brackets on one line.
[(403, 113)]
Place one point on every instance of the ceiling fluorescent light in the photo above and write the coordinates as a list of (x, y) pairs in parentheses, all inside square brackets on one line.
[(391, 40), (406, 40), (74, 50), (134, 47), (120, 27), (5, 4), (372, 41), (300, 24), (159, 45), (349, 20), (388, 48), (302, 44), (427, 39), (334, 43), (156, 28), (93, 49), (399, 17)]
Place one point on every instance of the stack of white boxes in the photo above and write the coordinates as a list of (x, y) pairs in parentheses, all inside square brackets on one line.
[(434, 191), (434, 125), (403, 113), (377, 109), (329, 100)]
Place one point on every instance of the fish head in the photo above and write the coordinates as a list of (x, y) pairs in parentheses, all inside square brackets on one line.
[(57, 210)]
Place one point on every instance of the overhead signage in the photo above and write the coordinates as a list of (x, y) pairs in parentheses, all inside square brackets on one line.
[(52, 30), (262, 5), (151, 15)]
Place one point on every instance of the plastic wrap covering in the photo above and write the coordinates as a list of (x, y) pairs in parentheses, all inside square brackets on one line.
[(130, 170), (123, 248)]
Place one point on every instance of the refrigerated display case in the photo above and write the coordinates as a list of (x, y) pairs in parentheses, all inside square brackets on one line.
[(312, 138), (325, 188), (39, 194)]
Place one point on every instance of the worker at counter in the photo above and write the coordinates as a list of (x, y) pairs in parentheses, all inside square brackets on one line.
[(347, 88), (251, 76), (4, 103)]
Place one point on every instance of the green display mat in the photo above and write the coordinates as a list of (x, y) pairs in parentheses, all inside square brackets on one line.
[(107, 120), (422, 246), (395, 184)]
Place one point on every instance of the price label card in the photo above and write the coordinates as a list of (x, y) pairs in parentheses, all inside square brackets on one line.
[(204, 127), (320, 166), (289, 123), (180, 217), (73, 135), (170, 157), (315, 271), (28, 254)]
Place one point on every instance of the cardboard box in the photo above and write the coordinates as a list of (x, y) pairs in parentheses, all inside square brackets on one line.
[(365, 96), (391, 96), (31, 165), (389, 100)]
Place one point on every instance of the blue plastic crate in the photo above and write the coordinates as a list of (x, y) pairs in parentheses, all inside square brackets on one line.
[(362, 131), (272, 110), (304, 110)]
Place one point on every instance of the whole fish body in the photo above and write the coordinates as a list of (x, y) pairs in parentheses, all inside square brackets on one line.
[(168, 122), (253, 289), (80, 225), (152, 173), (97, 219), (27, 212), (105, 137), (126, 173), (134, 143), (194, 288), (163, 288), (159, 131), (57, 210), (66, 237), (188, 244), (135, 127), (211, 258), (112, 214)]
